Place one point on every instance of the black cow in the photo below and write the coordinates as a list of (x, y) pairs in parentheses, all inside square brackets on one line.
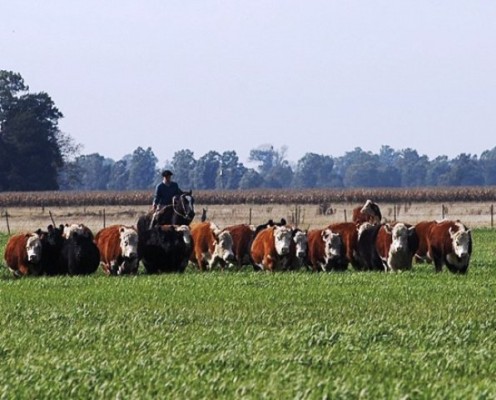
[(79, 254), (52, 241), (165, 248)]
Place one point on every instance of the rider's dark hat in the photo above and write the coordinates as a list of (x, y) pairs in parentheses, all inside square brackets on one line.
[(167, 173)]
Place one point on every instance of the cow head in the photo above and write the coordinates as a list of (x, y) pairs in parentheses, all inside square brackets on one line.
[(333, 243), (79, 229), (399, 236), (33, 248), (372, 210), (128, 242), (222, 245), (301, 244), (282, 239), (184, 229), (460, 240)]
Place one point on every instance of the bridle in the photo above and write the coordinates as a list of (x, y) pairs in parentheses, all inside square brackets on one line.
[(178, 212)]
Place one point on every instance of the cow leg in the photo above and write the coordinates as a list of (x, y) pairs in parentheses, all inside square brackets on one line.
[(268, 262), (438, 261)]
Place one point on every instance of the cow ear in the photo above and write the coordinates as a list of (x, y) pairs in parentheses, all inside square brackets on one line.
[(122, 229), (388, 228)]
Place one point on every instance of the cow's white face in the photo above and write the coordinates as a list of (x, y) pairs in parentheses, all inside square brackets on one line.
[(282, 238), (460, 241), (128, 242), (400, 238), (186, 233), (223, 246), (80, 229), (301, 244), (332, 243), (33, 248)]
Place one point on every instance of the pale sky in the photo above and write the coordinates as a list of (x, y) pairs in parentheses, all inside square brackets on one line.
[(321, 76)]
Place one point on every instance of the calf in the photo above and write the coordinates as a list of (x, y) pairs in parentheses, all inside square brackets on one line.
[(23, 254), (369, 212), (118, 246), (165, 248), (211, 246), (450, 243), (326, 250), (242, 236), (270, 247)]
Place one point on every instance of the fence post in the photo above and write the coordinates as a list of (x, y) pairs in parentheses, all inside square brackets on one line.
[(104, 217), (7, 221), (442, 211), (249, 216), (394, 212), (345, 220)]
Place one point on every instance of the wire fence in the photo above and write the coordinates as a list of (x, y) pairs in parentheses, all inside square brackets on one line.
[(305, 216)]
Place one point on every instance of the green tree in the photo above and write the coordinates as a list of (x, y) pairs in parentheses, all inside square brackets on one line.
[(251, 179), (183, 165), (206, 170), (231, 171), (488, 165), (314, 171), (142, 169), (119, 175), (29, 131)]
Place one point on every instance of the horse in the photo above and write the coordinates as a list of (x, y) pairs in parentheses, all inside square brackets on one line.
[(180, 212)]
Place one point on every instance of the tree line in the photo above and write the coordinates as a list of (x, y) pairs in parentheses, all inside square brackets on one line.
[(36, 155)]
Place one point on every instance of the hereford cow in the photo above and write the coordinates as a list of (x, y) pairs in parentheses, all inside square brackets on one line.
[(349, 234), (370, 212), (396, 246), (326, 250), (118, 246), (449, 243), (271, 246), (79, 254), (80, 229), (298, 251), (165, 248), (23, 254), (211, 246), (242, 236), (386, 247)]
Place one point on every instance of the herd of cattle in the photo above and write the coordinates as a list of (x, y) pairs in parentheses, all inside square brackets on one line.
[(364, 244)]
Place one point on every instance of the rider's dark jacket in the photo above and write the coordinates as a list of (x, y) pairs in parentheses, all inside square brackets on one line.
[(164, 192)]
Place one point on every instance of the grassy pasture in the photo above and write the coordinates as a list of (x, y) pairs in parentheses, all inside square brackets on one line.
[(242, 334)]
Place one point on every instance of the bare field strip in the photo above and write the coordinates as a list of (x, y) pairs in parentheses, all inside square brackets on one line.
[(473, 214)]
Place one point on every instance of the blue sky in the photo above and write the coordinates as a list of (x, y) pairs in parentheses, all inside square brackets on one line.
[(315, 76)]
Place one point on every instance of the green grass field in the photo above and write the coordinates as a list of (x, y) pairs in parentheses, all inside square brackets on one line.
[(417, 335)]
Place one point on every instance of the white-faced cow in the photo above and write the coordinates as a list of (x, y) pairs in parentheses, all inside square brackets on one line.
[(369, 212), (349, 234), (118, 246), (79, 254), (211, 246), (271, 246), (326, 250), (396, 246), (449, 243), (23, 254)]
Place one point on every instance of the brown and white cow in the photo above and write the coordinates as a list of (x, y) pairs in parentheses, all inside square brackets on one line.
[(349, 234), (369, 212), (449, 243), (23, 254), (271, 247), (242, 236), (211, 246), (326, 250), (396, 246), (118, 246)]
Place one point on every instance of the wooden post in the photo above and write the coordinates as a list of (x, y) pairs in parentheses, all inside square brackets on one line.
[(442, 211), (345, 220), (394, 212), (249, 217), (104, 217), (7, 221)]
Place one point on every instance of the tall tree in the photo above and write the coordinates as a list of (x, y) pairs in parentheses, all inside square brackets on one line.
[(29, 131), (183, 165), (142, 169), (314, 171), (206, 170), (231, 171)]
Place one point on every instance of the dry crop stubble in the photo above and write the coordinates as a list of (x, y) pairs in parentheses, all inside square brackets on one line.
[(307, 216)]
